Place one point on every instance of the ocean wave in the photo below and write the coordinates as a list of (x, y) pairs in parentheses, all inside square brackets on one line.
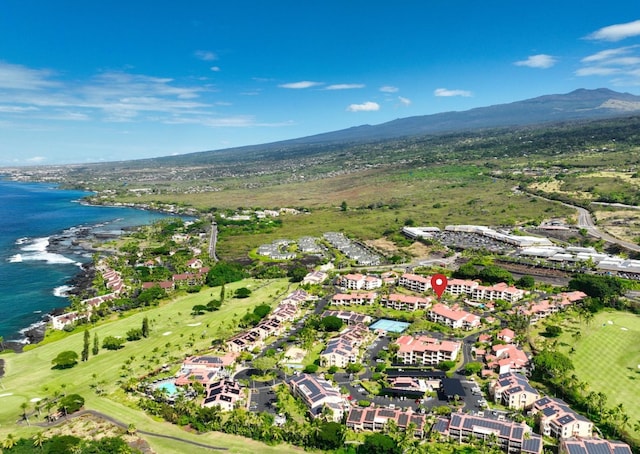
[(15, 258), (36, 250), (37, 245), (62, 291)]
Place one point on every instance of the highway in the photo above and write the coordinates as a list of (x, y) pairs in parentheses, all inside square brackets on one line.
[(585, 221)]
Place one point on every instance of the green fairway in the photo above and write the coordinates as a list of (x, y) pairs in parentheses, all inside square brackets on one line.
[(175, 333), (607, 358)]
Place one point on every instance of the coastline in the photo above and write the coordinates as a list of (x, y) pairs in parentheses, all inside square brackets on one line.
[(56, 233)]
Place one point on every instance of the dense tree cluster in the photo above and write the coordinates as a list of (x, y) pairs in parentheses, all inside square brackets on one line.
[(57, 444), (604, 288), (223, 273)]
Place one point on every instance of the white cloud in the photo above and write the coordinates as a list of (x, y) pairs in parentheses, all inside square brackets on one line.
[(343, 86), (596, 71), (446, 92), (538, 61), (389, 89), (617, 32), (36, 159), (404, 101), (300, 85), (607, 54), (17, 109), (215, 69), (622, 62), (205, 55), (19, 77), (368, 106)]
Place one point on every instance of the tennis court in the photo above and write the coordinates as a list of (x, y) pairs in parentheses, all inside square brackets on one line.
[(387, 325)]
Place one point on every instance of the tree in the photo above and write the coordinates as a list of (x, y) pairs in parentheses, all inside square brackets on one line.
[(331, 323), (472, 368), (134, 334), (343, 206), (264, 363), (65, 360), (553, 331), (96, 345), (311, 369), (242, 292), (145, 327), (9, 442), (378, 443), (85, 347), (330, 435), (466, 271), (24, 407), (199, 309), (223, 273), (113, 343), (526, 282), (494, 274), (38, 440), (604, 288), (297, 273), (549, 363), (446, 365), (262, 310), (71, 403)]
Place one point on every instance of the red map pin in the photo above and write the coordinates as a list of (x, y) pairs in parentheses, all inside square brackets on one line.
[(439, 284)]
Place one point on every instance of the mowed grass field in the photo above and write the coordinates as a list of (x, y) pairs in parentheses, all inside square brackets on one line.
[(607, 358), (175, 333)]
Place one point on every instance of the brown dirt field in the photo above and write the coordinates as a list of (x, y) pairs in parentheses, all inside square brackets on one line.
[(90, 427)]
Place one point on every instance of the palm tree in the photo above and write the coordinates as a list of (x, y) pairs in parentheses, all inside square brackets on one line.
[(9, 442), (39, 439), (24, 407)]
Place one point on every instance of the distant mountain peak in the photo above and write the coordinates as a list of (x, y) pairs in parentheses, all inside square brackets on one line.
[(580, 104)]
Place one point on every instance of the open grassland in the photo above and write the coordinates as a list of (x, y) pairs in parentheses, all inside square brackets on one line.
[(381, 202), (463, 192), (619, 222), (607, 357), (174, 334)]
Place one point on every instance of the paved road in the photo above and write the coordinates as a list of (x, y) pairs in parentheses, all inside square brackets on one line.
[(125, 426), (213, 241), (585, 221)]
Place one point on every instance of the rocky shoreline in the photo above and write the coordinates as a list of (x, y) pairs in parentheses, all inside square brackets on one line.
[(79, 242)]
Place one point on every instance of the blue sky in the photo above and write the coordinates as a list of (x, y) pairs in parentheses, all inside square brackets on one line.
[(85, 81)]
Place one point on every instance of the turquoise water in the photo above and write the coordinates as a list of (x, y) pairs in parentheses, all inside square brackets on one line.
[(168, 386), (33, 279), (393, 326)]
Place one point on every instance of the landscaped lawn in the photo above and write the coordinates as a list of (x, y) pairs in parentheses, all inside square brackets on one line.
[(174, 334), (607, 357)]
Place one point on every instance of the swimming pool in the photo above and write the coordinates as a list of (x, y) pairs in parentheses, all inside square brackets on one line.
[(168, 386)]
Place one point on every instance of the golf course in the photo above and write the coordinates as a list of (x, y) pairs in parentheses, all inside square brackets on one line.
[(174, 333)]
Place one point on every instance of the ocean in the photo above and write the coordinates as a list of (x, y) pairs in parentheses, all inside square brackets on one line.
[(38, 255)]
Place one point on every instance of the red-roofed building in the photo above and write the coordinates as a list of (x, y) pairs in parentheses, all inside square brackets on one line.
[(359, 282), (507, 335), (402, 302), (415, 282), (426, 350), (376, 418), (507, 358), (346, 299), (453, 317)]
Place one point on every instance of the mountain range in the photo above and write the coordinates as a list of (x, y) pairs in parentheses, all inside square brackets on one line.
[(581, 104)]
